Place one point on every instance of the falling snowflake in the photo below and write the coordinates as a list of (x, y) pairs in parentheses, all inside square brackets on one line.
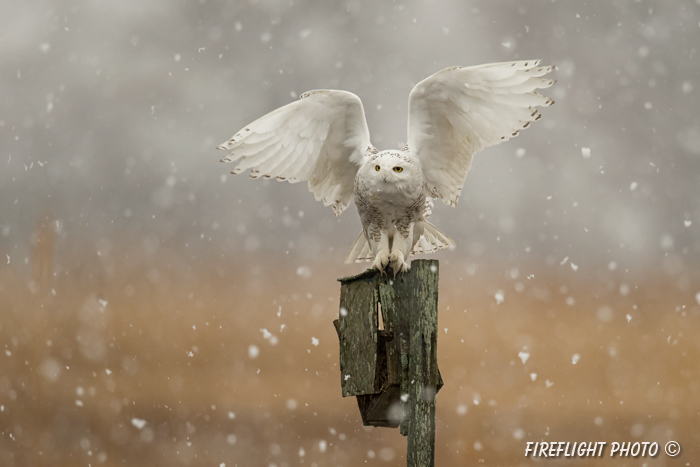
[(499, 296), (138, 422), (524, 356), (253, 352)]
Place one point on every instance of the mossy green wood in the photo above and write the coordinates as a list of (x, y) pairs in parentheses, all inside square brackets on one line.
[(409, 312), (409, 307), (358, 332), (420, 299)]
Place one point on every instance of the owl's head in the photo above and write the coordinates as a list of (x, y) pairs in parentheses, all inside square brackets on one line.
[(393, 168)]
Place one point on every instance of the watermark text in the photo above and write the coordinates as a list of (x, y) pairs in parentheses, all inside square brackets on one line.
[(599, 449)]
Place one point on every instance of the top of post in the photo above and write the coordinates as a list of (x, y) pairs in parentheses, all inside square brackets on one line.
[(372, 273), (366, 274)]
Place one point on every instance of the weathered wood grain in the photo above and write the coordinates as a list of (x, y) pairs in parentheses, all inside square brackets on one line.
[(358, 332), (396, 374)]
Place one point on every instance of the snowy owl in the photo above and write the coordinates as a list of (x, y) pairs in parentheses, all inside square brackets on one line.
[(323, 138)]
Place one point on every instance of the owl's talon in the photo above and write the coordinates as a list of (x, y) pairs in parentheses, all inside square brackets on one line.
[(397, 262), (381, 261)]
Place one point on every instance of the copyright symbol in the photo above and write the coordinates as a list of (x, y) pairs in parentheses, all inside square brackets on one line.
[(672, 449)]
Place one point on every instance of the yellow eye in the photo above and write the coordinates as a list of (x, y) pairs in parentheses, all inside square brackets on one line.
[(376, 167), (398, 169)]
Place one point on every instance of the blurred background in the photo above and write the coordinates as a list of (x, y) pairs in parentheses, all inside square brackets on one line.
[(156, 311)]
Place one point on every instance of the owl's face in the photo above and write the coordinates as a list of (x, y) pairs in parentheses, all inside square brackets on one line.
[(393, 169)]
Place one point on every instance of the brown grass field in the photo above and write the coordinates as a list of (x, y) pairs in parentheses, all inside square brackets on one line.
[(148, 365)]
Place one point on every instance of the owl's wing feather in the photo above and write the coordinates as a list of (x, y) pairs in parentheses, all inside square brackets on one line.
[(320, 138), (458, 111)]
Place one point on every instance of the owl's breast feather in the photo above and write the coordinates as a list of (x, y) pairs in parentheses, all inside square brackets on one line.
[(391, 197)]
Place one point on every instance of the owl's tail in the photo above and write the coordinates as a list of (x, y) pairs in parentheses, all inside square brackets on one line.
[(431, 240), (360, 251)]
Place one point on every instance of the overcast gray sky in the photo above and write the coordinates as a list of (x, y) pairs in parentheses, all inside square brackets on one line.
[(111, 112)]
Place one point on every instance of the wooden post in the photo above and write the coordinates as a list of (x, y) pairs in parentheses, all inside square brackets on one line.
[(393, 372)]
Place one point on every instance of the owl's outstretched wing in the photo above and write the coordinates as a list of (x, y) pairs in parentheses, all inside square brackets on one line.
[(321, 138), (458, 111)]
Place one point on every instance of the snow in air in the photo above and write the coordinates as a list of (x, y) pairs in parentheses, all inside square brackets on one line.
[(138, 422), (499, 296), (253, 351), (524, 356)]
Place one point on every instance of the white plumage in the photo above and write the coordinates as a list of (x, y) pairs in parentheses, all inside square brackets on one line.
[(323, 139)]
